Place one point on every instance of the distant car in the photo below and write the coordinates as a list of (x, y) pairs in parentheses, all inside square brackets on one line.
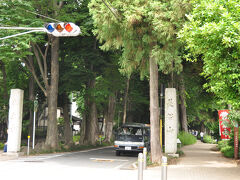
[(132, 137)]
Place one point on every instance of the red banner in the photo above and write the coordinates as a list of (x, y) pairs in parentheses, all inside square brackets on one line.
[(224, 124)]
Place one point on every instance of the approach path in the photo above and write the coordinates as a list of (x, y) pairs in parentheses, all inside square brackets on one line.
[(200, 162)]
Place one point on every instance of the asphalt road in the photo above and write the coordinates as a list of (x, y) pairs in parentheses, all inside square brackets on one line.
[(90, 164)]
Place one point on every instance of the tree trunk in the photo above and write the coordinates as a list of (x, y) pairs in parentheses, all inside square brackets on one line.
[(125, 101), (52, 94), (183, 104), (110, 117), (83, 129), (31, 99), (5, 98), (91, 118), (5, 90), (156, 152), (92, 133), (68, 139)]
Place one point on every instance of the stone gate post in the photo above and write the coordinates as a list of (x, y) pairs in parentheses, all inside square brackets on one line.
[(15, 121)]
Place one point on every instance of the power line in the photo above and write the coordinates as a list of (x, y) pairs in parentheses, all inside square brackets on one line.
[(111, 9), (40, 15)]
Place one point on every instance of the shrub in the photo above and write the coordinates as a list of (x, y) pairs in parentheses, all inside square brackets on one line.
[(208, 139), (228, 151), (1, 146), (222, 144), (186, 138)]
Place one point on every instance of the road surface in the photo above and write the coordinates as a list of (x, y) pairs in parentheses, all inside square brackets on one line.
[(90, 164)]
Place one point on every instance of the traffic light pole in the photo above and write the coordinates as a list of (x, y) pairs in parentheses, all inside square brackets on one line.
[(19, 34), (21, 28)]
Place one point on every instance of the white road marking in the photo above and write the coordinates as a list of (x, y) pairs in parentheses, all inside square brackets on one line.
[(35, 158), (102, 159)]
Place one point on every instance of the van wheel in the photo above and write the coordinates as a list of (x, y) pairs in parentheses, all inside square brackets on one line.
[(117, 153)]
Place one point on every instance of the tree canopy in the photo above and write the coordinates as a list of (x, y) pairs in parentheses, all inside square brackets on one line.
[(212, 34), (136, 26)]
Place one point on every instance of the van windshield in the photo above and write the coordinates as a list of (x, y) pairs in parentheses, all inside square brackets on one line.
[(130, 131)]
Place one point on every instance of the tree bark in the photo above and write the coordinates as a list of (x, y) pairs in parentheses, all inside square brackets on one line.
[(68, 138), (92, 133), (4, 74), (83, 129), (91, 118), (183, 104), (52, 95), (5, 90), (5, 98), (31, 99), (156, 152), (110, 117), (125, 101)]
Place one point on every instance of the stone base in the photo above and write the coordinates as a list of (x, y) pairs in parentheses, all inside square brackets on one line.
[(4, 156), (174, 155)]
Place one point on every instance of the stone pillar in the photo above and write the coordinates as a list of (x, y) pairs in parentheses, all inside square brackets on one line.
[(171, 121), (15, 121)]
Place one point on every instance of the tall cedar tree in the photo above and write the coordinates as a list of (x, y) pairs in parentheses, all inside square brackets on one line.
[(145, 31)]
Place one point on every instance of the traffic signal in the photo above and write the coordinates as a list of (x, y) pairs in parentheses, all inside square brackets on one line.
[(62, 29)]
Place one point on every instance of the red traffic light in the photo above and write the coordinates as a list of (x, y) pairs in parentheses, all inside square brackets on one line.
[(68, 27), (62, 29)]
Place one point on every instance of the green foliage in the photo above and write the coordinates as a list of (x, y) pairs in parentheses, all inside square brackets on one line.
[(234, 117), (228, 151), (13, 13), (222, 144), (76, 138), (141, 29), (227, 148), (213, 126), (1, 145), (212, 34), (208, 139), (60, 121), (186, 138), (201, 105)]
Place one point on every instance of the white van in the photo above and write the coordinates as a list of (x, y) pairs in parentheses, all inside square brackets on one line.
[(132, 137)]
